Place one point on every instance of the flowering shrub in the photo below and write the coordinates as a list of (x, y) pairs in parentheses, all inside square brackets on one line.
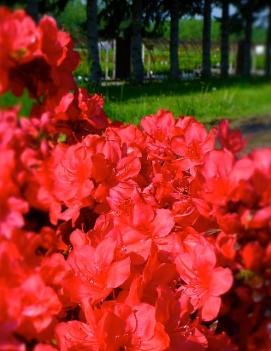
[(121, 237)]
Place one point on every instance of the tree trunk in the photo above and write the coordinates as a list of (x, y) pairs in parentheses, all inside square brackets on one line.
[(240, 58), (92, 32), (206, 40), (136, 42), (248, 38), (174, 39), (32, 8), (123, 58), (224, 63), (268, 47)]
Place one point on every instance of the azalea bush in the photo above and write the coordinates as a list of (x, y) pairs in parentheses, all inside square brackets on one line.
[(121, 237)]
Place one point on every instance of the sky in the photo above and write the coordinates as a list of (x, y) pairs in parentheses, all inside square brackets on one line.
[(261, 20), (217, 11)]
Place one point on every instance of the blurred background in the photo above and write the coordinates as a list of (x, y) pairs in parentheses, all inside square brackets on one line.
[(209, 59)]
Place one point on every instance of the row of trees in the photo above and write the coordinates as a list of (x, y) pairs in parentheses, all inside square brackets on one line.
[(130, 20), (140, 15)]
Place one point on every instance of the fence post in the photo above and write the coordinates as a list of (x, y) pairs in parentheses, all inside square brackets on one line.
[(114, 60), (106, 62), (149, 65)]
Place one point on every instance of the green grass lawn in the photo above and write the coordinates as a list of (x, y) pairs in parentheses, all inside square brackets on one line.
[(208, 101)]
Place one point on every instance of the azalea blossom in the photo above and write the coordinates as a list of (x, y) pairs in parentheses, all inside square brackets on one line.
[(149, 237)]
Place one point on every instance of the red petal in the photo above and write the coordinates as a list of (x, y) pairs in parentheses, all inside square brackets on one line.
[(210, 308), (118, 273), (221, 281)]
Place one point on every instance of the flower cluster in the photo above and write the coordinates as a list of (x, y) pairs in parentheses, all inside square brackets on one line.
[(122, 237)]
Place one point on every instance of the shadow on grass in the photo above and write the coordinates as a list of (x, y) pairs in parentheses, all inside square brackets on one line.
[(127, 91)]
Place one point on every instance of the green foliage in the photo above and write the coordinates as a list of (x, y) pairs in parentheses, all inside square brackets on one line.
[(259, 35), (260, 62), (73, 19), (114, 18), (24, 101), (245, 274), (84, 66), (191, 29), (62, 138)]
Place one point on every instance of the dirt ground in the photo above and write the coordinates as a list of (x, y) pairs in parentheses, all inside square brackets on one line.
[(257, 131)]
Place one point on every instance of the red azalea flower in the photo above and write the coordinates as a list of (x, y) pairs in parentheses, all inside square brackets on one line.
[(95, 278), (34, 305), (230, 139), (115, 327), (204, 283)]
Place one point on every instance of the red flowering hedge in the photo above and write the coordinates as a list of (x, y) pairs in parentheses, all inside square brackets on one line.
[(120, 237)]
